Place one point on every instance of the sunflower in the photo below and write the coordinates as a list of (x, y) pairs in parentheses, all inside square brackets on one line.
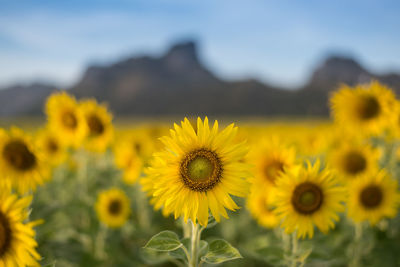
[(259, 203), (271, 158), (352, 160), (154, 132), (127, 160), (395, 124), (17, 243), (100, 129), (66, 119), (373, 197), (51, 147), (306, 196), (198, 171), (310, 139), (147, 182), (113, 207), (365, 108), (140, 141), (20, 162)]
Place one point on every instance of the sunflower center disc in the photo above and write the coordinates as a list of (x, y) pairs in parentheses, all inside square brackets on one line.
[(201, 170), (371, 196), (69, 120), (96, 126), (272, 169), (52, 146), (5, 234), (307, 198), (354, 163), (368, 108), (137, 147), (115, 207), (19, 156)]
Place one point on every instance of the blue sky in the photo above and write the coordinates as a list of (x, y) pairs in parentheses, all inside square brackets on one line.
[(275, 41)]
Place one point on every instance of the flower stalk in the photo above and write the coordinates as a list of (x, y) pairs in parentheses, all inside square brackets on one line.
[(194, 248), (295, 245), (357, 248)]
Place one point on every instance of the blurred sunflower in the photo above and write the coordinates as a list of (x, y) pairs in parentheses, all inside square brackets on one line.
[(17, 243), (113, 207), (365, 108), (140, 141), (20, 162), (127, 160), (51, 147), (259, 203), (352, 160), (198, 171), (66, 119), (373, 197), (154, 132), (305, 197), (271, 158), (395, 125), (311, 139), (147, 182), (100, 130)]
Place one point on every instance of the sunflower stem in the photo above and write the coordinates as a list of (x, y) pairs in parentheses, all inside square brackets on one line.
[(82, 176), (286, 241), (392, 161), (295, 245), (357, 249), (99, 244), (186, 229), (195, 240), (141, 204)]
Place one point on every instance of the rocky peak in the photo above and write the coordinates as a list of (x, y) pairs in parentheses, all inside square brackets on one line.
[(337, 69), (182, 55)]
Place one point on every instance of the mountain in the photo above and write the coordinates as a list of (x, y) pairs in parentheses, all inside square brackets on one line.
[(329, 75), (337, 70), (178, 83), (21, 100)]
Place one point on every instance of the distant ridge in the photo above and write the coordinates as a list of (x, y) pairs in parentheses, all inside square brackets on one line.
[(21, 100), (177, 83)]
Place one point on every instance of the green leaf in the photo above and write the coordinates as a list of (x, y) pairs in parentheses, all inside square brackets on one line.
[(220, 251), (153, 257), (203, 248), (164, 241), (179, 253)]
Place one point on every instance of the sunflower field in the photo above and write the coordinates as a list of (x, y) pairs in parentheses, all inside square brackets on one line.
[(82, 190)]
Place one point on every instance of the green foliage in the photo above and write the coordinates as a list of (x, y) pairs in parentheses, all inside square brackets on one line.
[(167, 246), (220, 251), (164, 241), (70, 234), (180, 253)]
